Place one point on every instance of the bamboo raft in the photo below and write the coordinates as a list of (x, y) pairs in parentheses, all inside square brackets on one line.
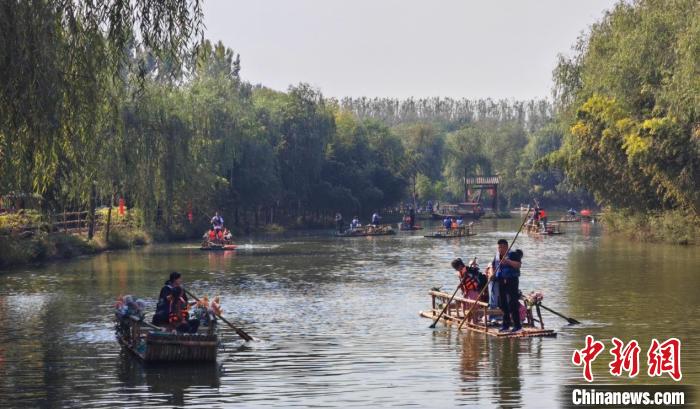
[(151, 345), (404, 227), (369, 230), (569, 220), (481, 316), (210, 246), (443, 233), (552, 229)]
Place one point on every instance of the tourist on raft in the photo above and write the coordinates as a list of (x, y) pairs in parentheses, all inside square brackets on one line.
[(504, 286), (217, 222), (447, 223), (376, 219), (407, 222), (339, 222), (355, 223), (543, 218), (471, 279), (172, 307), (412, 216)]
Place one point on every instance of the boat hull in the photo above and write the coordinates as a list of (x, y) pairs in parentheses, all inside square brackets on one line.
[(150, 345)]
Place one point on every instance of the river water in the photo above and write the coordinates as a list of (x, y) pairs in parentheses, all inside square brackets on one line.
[(338, 325)]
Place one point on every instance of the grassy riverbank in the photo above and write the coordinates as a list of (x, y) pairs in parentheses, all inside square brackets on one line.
[(673, 227), (25, 236), (42, 247)]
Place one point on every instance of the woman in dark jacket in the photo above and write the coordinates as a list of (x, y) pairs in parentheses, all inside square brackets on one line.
[(172, 306)]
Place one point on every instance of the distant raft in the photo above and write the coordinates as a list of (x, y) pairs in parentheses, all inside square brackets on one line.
[(481, 319), (569, 219), (408, 227), (369, 230), (212, 246), (442, 233), (540, 229)]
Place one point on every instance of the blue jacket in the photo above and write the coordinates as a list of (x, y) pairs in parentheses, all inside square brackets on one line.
[(507, 271)]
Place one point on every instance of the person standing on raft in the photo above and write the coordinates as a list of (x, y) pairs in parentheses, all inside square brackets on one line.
[(339, 222), (506, 268), (217, 222)]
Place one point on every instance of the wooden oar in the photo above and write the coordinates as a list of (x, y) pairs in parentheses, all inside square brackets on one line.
[(571, 320), (498, 268), (239, 331), (144, 322)]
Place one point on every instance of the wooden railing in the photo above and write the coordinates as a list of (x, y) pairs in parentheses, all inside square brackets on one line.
[(77, 222)]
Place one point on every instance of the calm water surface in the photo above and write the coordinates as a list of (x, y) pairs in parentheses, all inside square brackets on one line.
[(338, 322)]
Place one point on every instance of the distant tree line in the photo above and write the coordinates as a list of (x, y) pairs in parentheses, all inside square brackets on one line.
[(123, 99)]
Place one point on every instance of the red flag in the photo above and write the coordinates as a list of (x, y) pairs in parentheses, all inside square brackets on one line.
[(121, 206)]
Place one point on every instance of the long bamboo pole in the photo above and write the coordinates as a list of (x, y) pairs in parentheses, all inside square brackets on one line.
[(498, 268)]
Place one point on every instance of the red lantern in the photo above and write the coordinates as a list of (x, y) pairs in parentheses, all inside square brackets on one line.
[(121, 206)]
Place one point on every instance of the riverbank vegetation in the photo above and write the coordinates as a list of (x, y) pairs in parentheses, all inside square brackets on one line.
[(103, 104), (629, 99), (168, 125)]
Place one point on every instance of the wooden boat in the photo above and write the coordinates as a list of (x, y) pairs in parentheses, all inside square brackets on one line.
[(443, 233), (481, 317), (210, 246), (467, 210), (368, 230), (154, 344)]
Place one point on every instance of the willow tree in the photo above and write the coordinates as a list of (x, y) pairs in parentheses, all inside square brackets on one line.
[(60, 62)]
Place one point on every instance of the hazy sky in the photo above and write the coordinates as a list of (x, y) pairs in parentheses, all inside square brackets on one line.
[(403, 48)]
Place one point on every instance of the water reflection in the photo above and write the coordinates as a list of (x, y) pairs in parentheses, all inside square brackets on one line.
[(170, 382), (339, 323)]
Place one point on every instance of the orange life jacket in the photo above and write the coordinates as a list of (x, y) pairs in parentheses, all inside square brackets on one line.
[(178, 310), (470, 283)]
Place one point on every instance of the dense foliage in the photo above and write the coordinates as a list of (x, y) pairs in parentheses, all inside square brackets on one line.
[(120, 99), (630, 100), (447, 140)]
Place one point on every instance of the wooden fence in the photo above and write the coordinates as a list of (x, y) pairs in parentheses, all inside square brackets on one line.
[(77, 223)]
